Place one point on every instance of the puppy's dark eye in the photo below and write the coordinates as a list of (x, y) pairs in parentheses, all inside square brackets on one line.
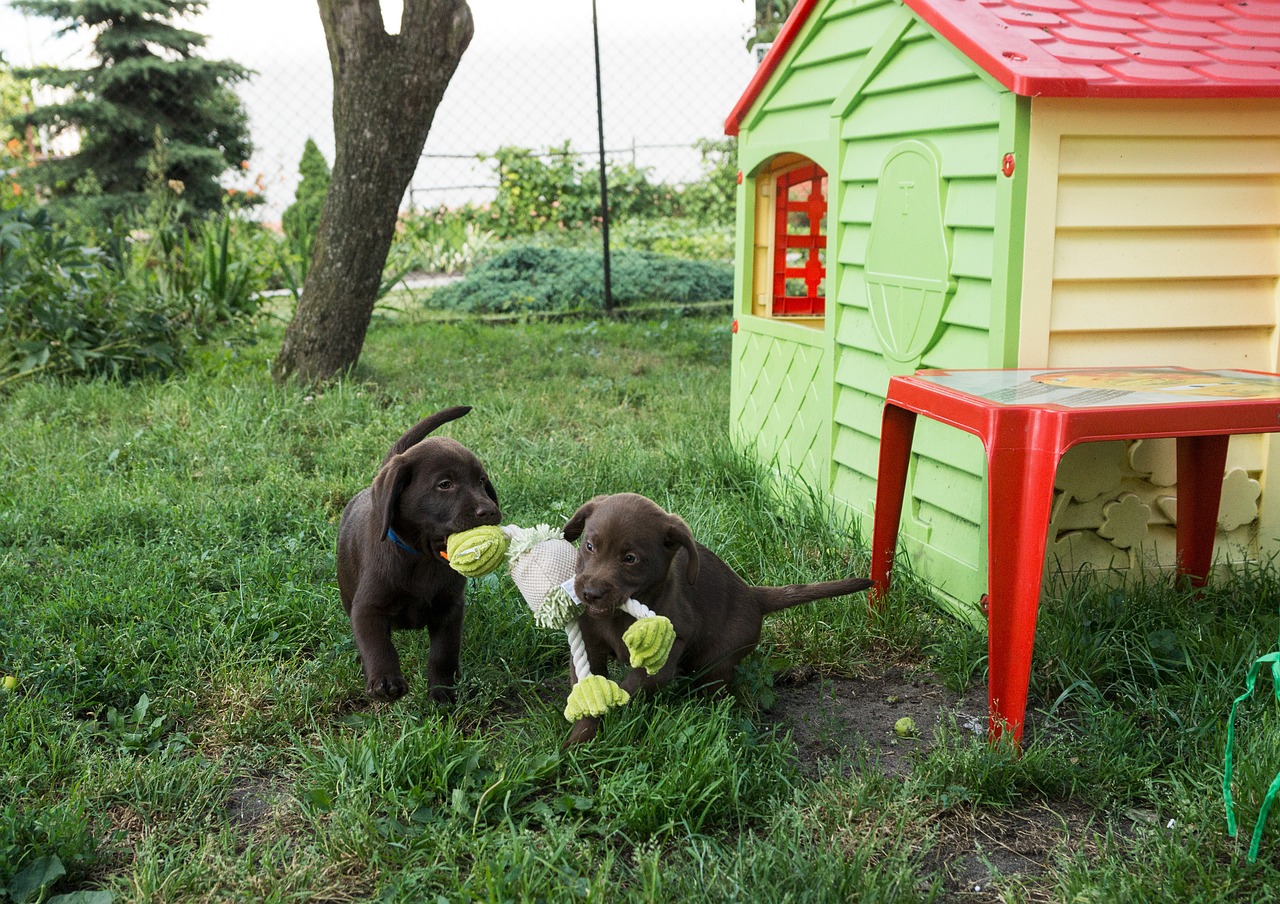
[(445, 484), (588, 546), (630, 559)]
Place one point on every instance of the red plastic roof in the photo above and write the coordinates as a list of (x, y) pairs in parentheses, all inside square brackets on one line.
[(1093, 48)]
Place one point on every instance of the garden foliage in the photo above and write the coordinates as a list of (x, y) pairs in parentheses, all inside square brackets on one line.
[(528, 278), (122, 304), (556, 191), (15, 149), (542, 237), (439, 241)]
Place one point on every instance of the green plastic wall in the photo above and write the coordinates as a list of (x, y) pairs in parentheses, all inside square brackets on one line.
[(863, 81)]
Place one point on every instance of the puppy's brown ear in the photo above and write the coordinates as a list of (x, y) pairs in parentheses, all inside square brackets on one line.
[(386, 491), (678, 534), (573, 528)]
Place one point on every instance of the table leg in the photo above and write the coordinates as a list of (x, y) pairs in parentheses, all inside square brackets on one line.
[(897, 430), (1201, 462), (1020, 499)]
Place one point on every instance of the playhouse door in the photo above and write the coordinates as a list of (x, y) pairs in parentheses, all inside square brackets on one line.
[(908, 269)]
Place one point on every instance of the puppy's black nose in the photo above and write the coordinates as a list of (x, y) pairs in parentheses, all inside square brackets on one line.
[(591, 594)]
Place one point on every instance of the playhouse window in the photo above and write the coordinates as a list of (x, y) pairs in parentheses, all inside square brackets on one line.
[(799, 241)]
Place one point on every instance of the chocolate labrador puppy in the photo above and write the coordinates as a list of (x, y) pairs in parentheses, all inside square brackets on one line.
[(390, 571), (632, 548)]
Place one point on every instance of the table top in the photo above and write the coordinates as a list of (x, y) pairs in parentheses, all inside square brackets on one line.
[(1102, 388)]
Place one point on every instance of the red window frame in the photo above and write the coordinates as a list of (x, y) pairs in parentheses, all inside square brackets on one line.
[(807, 243)]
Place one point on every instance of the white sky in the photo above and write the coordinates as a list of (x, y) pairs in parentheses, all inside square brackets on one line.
[(672, 71), (290, 29)]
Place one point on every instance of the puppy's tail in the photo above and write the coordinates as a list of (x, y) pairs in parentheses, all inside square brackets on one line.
[(415, 434), (775, 599)]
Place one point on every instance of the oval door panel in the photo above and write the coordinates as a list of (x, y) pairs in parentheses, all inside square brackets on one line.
[(908, 269)]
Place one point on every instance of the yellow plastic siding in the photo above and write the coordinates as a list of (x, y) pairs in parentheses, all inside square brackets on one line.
[(1157, 252), (1135, 202), (1127, 307), (1190, 348), (1153, 237), (1140, 213), (762, 247)]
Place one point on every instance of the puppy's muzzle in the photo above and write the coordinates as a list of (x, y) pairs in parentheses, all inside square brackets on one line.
[(599, 599), (483, 510)]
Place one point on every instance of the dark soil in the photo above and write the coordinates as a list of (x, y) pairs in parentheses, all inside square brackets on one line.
[(831, 717), (848, 724)]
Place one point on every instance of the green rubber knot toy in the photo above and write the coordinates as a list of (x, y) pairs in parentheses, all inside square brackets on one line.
[(649, 641), (594, 696), (477, 552)]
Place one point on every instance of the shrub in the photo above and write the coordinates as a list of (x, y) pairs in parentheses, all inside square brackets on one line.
[(711, 199), (438, 241), (555, 191), (301, 219), (528, 278), (63, 309), (130, 305), (676, 237)]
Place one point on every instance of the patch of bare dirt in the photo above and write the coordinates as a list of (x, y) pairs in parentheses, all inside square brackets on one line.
[(251, 801), (829, 717), (978, 851), (848, 724)]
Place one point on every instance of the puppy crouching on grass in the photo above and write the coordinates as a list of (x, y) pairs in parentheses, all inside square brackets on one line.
[(631, 548), (391, 574)]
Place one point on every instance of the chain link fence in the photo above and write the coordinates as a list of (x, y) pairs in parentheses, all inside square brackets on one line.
[(671, 70), (670, 76)]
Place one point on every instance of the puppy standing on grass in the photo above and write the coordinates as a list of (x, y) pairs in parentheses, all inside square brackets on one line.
[(632, 548), (390, 571)]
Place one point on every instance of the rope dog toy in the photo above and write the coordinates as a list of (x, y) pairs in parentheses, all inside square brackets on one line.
[(542, 564)]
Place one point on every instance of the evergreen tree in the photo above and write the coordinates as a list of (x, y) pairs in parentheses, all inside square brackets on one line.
[(301, 219), (147, 78)]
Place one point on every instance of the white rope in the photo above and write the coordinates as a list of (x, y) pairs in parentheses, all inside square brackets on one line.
[(637, 610), (578, 650)]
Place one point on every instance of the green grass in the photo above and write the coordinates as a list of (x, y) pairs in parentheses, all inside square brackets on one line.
[(188, 722)]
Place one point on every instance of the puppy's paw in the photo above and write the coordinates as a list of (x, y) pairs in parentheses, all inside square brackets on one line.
[(442, 693), (387, 687), (583, 730)]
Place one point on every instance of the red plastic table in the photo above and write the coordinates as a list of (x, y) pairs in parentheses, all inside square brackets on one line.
[(1026, 420)]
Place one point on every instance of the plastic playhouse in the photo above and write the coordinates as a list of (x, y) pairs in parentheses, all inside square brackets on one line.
[(960, 184)]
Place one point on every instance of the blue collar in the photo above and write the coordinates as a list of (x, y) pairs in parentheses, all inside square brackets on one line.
[(391, 535)]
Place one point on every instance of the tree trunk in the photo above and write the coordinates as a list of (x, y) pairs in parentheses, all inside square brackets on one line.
[(385, 92)]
